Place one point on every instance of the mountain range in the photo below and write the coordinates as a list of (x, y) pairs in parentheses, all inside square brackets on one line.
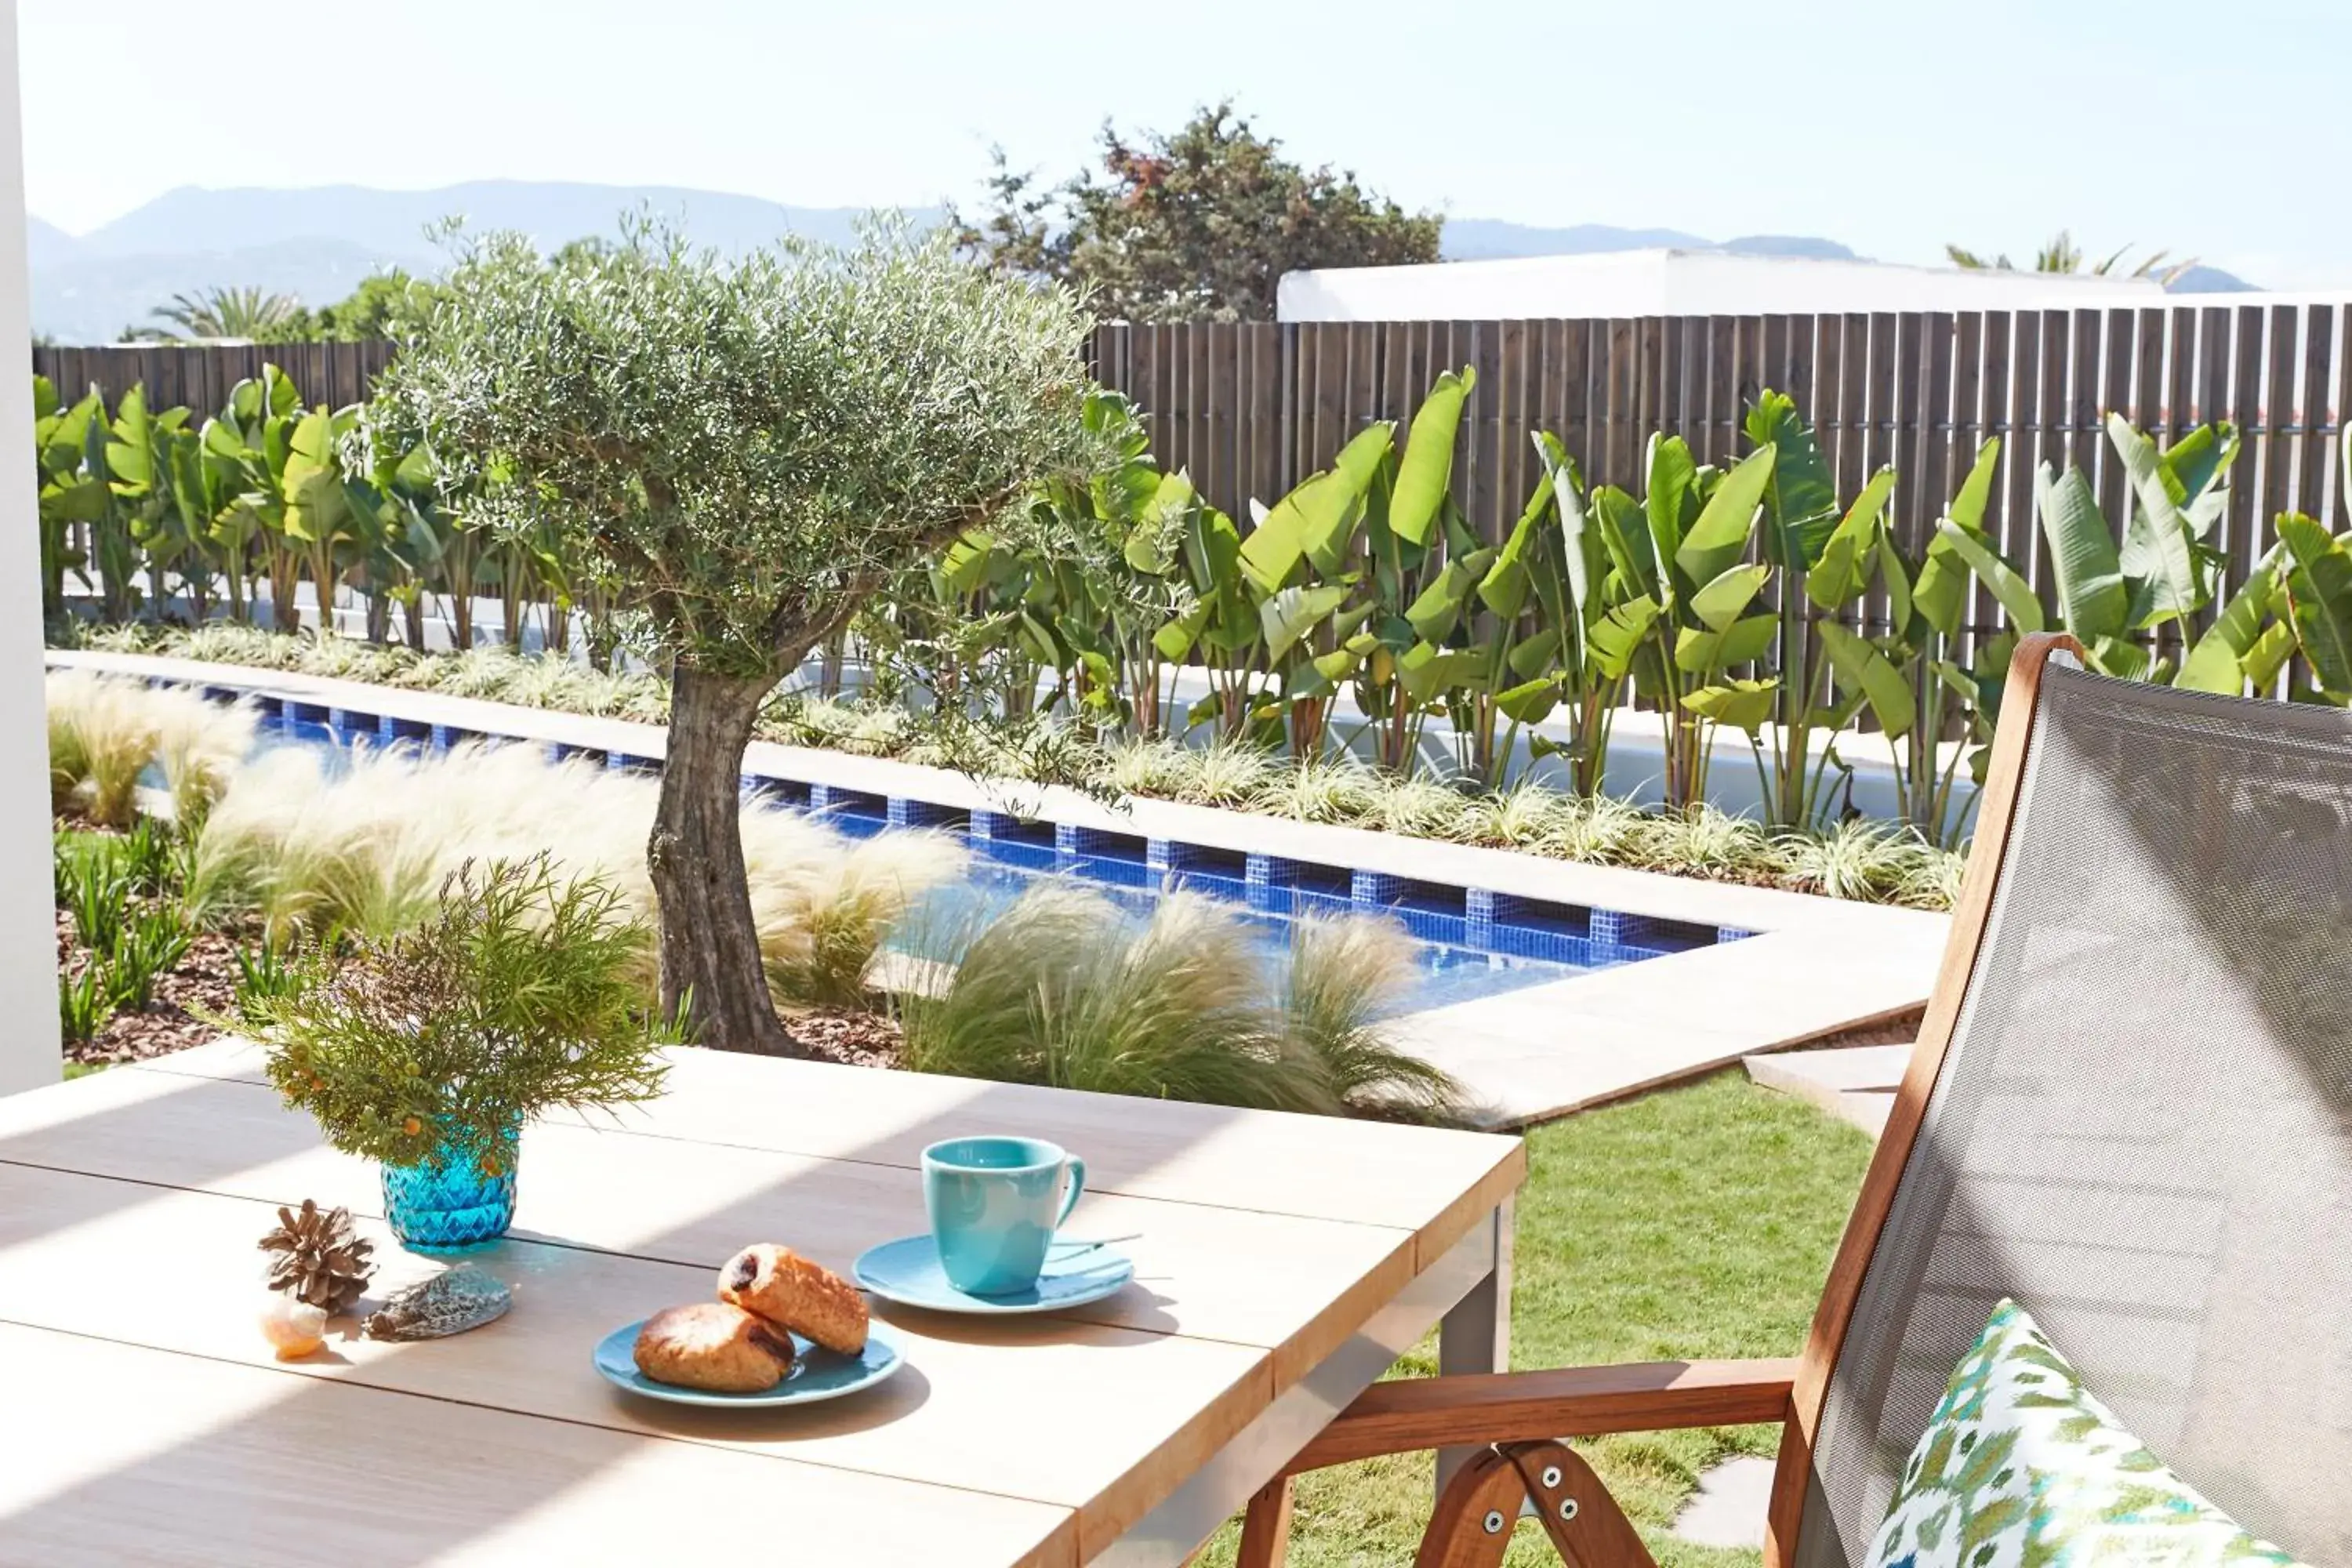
[(318, 244)]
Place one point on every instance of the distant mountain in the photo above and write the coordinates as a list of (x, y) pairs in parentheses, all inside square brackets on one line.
[(1790, 245), (1490, 239), (2203, 279), (318, 244)]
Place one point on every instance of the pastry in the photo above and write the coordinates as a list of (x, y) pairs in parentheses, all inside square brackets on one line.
[(789, 1290), (713, 1346)]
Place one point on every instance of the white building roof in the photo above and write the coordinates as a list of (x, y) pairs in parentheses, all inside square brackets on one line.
[(1681, 283)]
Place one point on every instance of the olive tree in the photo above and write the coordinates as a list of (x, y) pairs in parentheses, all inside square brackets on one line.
[(742, 449)]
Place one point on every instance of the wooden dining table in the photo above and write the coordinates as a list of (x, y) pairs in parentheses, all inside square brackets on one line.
[(1282, 1263)]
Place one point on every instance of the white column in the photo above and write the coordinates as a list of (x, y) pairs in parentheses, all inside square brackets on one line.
[(29, 967)]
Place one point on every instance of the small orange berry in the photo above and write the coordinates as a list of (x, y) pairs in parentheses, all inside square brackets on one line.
[(412, 1127)]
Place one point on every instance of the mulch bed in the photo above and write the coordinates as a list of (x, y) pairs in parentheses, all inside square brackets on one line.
[(851, 1039), (206, 978)]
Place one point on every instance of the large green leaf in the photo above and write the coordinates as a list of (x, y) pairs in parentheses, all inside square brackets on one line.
[(1722, 600), (2092, 600), (1617, 635), (1672, 479), (1175, 639), (1160, 525), (1626, 540), (1427, 467), (1742, 704), (1968, 508), (2319, 591), (1437, 609), (964, 567), (1288, 617), (2015, 593), (1567, 488), (1802, 498), (1504, 589), (1426, 670), (1842, 570), (1863, 666), (1720, 535), (2217, 661), (1318, 516), (1704, 651), (2156, 559), (1530, 703)]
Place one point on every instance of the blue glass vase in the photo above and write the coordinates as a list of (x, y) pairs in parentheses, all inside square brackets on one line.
[(447, 1203)]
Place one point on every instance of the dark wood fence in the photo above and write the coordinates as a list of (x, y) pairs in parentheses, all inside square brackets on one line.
[(201, 375), (1252, 409)]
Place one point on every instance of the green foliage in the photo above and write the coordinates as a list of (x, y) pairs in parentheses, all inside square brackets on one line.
[(1195, 225), (520, 995), (742, 449), (1061, 990), (222, 310), (85, 1002)]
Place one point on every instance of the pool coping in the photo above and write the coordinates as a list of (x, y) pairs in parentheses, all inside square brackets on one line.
[(1812, 966)]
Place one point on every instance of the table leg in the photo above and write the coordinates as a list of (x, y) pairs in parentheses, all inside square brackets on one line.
[(1476, 1335)]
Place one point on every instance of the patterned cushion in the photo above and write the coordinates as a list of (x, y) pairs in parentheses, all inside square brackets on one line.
[(2021, 1468)]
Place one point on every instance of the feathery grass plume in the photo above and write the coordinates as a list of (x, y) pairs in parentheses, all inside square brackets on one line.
[(130, 637), (1061, 990), (1230, 773), (1422, 808), (1706, 842), (1858, 858), (368, 849), (1347, 974), (1151, 766), (879, 733), (104, 732), (1932, 879), (1325, 790), (1528, 816), (1602, 830)]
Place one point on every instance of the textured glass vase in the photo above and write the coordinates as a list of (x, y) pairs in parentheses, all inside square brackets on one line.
[(449, 1203)]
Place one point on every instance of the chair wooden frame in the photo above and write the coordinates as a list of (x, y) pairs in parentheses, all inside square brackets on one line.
[(1520, 1418)]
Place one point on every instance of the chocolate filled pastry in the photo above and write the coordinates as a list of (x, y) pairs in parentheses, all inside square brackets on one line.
[(788, 1290), (714, 1346)]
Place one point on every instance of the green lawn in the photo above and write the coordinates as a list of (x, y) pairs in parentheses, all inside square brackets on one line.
[(1695, 1222)]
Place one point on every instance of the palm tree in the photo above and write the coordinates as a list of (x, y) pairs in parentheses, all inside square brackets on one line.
[(226, 312), (2062, 255)]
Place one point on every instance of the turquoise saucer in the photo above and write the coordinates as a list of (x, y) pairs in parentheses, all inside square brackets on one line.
[(908, 1271), (818, 1373)]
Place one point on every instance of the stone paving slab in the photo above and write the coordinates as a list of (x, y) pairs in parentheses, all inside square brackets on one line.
[(1856, 1083)]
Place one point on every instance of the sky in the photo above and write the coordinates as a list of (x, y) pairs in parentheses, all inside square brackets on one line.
[(2213, 131)]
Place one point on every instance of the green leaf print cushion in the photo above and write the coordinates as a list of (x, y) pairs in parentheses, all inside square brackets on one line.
[(2021, 1468)]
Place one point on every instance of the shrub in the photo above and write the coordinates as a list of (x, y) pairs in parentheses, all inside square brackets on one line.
[(521, 995), (1063, 990)]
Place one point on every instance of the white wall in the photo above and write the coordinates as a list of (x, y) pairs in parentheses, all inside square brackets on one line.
[(28, 971), (1678, 283)]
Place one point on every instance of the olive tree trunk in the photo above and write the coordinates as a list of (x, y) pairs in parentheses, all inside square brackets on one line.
[(709, 948)]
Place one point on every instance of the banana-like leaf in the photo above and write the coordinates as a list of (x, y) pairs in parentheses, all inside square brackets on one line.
[(1862, 668), (1290, 615), (130, 454), (1742, 704), (1536, 654), (2217, 662), (1150, 546), (2195, 469), (1174, 640), (964, 567), (1530, 702), (2093, 599), (316, 505), (1426, 669), (1673, 476), (1617, 635), (1723, 599), (1843, 568), (1568, 490), (1436, 612), (1704, 651), (1720, 535), (2015, 593), (2319, 590), (1504, 589), (1968, 508), (1318, 517), (1427, 467), (2156, 559), (1801, 501), (1626, 540), (1899, 596)]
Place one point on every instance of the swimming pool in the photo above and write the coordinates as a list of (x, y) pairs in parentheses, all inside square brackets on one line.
[(1467, 942)]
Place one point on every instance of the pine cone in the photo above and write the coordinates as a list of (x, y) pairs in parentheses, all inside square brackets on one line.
[(319, 1260)]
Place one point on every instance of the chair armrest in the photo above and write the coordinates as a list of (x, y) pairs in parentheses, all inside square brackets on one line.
[(1570, 1402)]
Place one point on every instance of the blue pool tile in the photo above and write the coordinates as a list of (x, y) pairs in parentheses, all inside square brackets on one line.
[(389, 729), (901, 812), (623, 763)]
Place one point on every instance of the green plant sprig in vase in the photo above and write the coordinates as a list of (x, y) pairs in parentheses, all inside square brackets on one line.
[(427, 1050)]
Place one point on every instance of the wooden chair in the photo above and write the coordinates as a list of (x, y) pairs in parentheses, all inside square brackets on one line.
[(2127, 1110)]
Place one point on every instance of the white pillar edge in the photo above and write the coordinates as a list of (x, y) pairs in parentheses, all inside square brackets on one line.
[(29, 1041)]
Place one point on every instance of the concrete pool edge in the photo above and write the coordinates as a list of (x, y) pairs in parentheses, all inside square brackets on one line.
[(1815, 966)]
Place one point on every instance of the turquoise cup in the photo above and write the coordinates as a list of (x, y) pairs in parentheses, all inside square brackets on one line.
[(995, 1204)]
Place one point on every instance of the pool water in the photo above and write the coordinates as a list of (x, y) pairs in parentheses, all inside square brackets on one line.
[(1513, 943)]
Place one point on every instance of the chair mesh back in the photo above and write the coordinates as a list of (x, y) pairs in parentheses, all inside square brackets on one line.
[(2140, 1127)]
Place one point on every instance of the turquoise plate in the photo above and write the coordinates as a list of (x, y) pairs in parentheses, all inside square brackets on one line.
[(818, 1373), (908, 1271)]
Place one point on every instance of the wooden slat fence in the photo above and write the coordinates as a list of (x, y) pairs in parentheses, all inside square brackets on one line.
[(1252, 408)]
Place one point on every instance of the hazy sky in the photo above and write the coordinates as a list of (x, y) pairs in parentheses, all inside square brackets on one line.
[(2220, 130)]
